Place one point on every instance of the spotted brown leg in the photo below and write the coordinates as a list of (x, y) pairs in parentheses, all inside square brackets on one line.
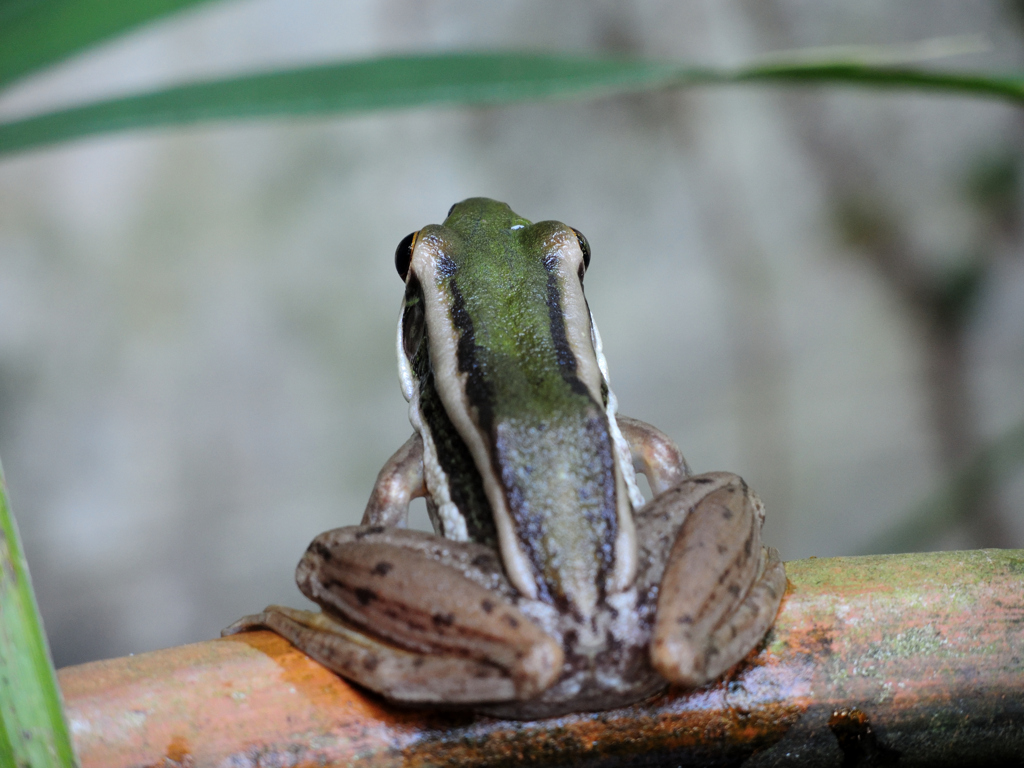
[(721, 588), (442, 627)]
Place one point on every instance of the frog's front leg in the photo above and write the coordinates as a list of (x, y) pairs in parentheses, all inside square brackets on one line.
[(720, 588), (399, 481), (654, 454)]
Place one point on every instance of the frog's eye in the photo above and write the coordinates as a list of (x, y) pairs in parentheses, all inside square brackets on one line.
[(450, 210), (403, 254), (584, 246)]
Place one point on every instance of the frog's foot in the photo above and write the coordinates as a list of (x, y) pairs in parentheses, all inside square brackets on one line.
[(721, 589), (416, 618), (393, 672)]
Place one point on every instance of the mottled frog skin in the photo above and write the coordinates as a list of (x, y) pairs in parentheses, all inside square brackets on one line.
[(549, 586)]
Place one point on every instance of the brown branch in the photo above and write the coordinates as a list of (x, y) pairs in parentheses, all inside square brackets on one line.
[(872, 659)]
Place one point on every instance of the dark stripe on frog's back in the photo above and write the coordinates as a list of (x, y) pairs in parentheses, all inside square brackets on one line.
[(563, 404), (556, 315), (465, 486), (531, 375)]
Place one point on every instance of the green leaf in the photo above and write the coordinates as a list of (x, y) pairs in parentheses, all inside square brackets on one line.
[(455, 79), (1009, 87), (32, 728), (36, 33), (360, 86)]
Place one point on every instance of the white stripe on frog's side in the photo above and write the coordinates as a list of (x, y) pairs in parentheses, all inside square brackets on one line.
[(626, 548), (622, 452), (453, 524), (404, 366)]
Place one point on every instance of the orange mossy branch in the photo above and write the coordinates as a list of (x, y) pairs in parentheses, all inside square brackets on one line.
[(916, 658)]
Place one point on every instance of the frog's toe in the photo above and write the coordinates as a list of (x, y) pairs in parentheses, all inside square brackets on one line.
[(687, 660), (247, 623), (735, 638)]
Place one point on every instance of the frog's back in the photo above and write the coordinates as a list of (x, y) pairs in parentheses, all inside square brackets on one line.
[(508, 356)]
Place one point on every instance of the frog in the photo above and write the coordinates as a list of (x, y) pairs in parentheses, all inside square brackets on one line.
[(549, 585)]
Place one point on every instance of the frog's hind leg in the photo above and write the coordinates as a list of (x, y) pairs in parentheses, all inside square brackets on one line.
[(416, 618), (721, 588), (734, 638), (392, 671)]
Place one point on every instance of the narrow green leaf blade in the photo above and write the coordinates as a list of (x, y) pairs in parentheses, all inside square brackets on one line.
[(36, 34), (359, 86), (32, 728), (455, 78), (1009, 87)]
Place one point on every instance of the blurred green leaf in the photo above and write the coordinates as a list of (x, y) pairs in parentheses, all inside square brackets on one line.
[(36, 33), (32, 729), (953, 502), (358, 86), (455, 78)]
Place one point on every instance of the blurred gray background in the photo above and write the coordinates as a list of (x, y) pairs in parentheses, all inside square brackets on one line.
[(821, 289)]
